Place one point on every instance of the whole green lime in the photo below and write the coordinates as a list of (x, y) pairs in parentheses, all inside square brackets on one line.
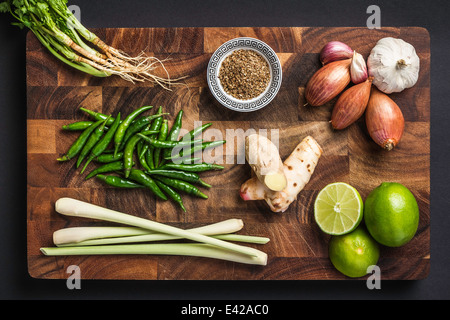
[(391, 214), (354, 252)]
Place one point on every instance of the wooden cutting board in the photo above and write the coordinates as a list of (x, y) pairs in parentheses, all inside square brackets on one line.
[(298, 249)]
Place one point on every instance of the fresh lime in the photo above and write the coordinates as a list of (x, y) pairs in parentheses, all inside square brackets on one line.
[(354, 252), (391, 214), (338, 208)]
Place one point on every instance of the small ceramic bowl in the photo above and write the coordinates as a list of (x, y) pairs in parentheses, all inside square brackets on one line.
[(231, 102)]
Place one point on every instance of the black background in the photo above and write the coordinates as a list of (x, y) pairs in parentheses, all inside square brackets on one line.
[(15, 282)]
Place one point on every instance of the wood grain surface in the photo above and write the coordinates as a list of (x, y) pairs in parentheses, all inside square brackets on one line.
[(298, 249)]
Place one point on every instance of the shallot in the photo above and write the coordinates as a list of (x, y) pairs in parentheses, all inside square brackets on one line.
[(384, 120), (328, 82), (351, 105), (334, 51)]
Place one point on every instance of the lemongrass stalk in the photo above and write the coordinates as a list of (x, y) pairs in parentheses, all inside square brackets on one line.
[(77, 208), (179, 249), (80, 234), (91, 235), (160, 237), (242, 238)]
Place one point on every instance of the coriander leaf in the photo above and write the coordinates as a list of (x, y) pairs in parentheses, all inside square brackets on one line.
[(4, 7)]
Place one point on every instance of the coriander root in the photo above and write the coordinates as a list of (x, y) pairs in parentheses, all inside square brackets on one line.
[(55, 26)]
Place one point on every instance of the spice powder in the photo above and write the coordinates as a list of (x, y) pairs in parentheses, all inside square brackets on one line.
[(244, 74)]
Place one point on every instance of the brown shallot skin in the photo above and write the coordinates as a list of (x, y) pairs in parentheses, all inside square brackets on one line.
[(351, 105), (384, 120), (328, 82)]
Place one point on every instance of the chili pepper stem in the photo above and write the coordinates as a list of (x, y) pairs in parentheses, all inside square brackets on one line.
[(86, 164), (202, 195), (63, 158), (203, 183)]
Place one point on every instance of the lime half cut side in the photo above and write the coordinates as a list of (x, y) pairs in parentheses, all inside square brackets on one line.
[(338, 208)]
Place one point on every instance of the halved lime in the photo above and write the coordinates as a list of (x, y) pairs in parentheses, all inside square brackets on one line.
[(338, 208)]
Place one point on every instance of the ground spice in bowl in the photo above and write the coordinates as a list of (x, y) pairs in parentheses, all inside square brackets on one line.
[(244, 74)]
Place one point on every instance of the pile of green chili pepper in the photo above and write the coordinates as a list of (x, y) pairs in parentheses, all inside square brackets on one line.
[(141, 151)]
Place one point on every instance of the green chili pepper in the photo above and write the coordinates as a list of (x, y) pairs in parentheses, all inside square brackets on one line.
[(128, 154), (108, 157), (183, 186), (107, 167), (93, 139), (174, 132), (104, 142), (176, 127), (78, 145), (120, 132), (197, 147), (139, 146), (116, 181), (77, 126), (141, 155), (187, 160), (194, 167), (99, 116), (196, 131), (144, 148), (164, 131), (140, 177), (137, 126), (149, 157), (181, 175), (171, 193), (165, 144), (156, 125)]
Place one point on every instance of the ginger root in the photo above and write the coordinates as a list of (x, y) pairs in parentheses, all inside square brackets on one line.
[(264, 159), (298, 169)]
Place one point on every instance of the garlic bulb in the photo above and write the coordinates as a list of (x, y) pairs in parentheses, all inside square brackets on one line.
[(394, 65)]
